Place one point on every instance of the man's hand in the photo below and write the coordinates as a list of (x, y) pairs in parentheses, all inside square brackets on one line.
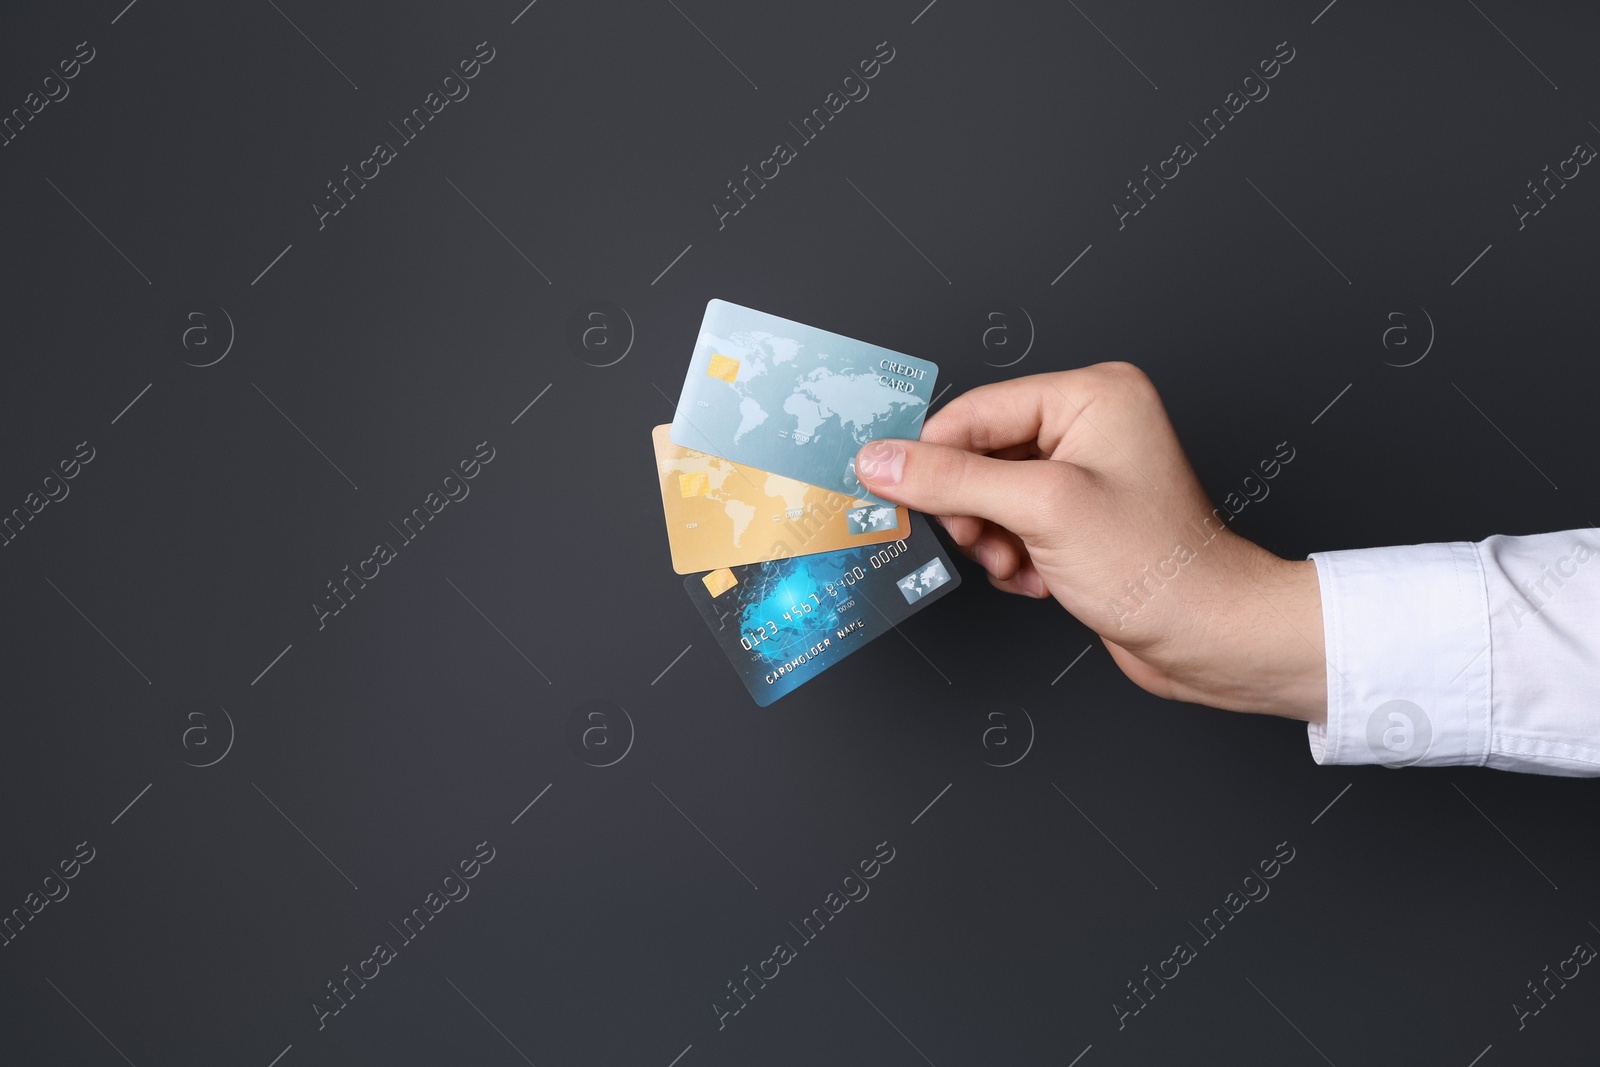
[(1073, 485)]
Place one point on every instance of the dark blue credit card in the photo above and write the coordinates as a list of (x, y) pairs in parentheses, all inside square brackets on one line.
[(784, 622)]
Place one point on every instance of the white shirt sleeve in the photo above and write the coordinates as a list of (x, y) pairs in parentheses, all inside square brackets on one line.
[(1462, 654)]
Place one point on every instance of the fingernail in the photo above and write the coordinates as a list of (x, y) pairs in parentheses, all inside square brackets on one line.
[(943, 520), (987, 557), (1030, 581), (881, 463)]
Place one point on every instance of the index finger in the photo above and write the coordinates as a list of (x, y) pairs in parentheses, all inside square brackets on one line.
[(1013, 412)]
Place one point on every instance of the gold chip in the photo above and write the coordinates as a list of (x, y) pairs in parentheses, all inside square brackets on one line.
[(724, 367), (719, 582)]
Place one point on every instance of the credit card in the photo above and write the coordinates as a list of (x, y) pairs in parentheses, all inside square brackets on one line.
[(783, 623), (723, 514), (795, 400)]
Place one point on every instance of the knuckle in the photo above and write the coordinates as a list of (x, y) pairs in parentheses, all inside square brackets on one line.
[(946, 472), (1124, 387), (1128, 378), (1008, 561), (1050, 504), (978, 427)]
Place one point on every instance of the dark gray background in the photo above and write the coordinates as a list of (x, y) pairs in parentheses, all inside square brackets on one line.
[(378, 751)]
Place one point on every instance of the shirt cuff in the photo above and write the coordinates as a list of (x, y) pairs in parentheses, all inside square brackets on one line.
[(1406, 632)]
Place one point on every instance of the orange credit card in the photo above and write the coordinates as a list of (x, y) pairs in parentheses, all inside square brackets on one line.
[(725, 514)]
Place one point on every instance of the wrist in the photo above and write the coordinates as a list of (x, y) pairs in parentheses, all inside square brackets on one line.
[(1265, 642)]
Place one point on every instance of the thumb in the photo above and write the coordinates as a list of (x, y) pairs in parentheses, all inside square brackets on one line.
[(1021, 495)]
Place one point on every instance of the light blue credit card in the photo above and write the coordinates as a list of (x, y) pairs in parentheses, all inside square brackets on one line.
[(795, 400)]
